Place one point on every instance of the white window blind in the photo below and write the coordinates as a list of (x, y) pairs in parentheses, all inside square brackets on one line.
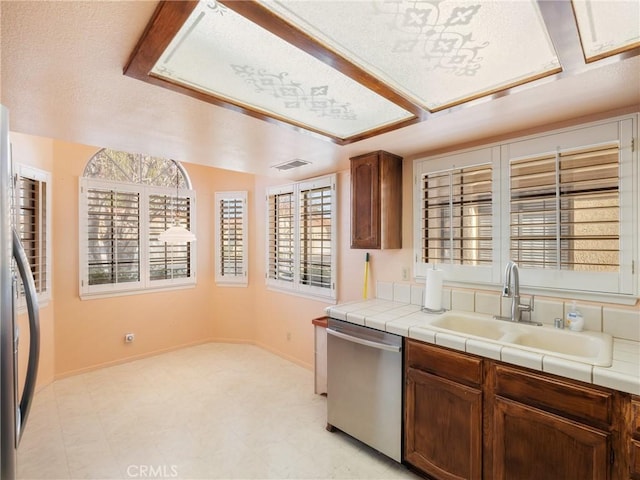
[(126, 201), (231, 238), (31, 207), (315, 236), (112, 236), (457, 211), (281, 236), (565, 210), (168, 261), (301, 234)]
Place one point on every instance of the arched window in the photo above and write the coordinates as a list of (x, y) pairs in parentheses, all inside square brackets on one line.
[(126, 201)]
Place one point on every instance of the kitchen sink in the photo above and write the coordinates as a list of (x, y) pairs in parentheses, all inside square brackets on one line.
[(593, 348), (483, 326), (589, 347)]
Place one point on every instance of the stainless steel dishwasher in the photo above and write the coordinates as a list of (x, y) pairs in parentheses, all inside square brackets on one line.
[(364, 385)]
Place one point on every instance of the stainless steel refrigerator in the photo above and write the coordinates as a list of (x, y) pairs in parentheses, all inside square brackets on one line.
[(13, 263)]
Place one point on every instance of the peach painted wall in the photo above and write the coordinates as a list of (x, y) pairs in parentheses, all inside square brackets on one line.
[(283, 322), (36, 152), (89, 333), (233, 309)]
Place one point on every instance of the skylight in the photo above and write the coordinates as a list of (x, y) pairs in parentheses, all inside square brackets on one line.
[(352, 69), (438, 53), (220, 52), (607, 28)]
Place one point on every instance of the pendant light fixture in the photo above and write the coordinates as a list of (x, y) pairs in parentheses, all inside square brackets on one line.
[(176, 233)]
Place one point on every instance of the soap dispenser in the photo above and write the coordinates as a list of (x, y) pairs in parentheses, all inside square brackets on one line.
[(575, 321)]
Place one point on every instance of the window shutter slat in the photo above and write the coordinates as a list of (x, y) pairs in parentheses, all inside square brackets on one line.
[(315, 236), (168, 261), (281, 237), (457, 212), (31, 211), (231, 238), (565, 211), (127, 201), (113, 236), (301, 237)]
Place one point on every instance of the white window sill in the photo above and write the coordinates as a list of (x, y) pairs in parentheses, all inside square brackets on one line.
[(122, 293), (297, 293)]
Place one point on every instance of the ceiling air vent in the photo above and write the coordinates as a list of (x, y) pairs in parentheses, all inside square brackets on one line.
[(295, 163)]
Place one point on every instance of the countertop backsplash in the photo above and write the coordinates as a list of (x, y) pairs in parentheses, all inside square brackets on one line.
[(622, 323), (396, 309)]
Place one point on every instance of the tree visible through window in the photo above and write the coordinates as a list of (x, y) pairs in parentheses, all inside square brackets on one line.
[(127, 201)]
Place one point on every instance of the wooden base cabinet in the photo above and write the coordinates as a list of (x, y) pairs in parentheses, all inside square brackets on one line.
[(444, 426), (544, 424), (469, 417), (443, 412), (532, 444), (634, 440)]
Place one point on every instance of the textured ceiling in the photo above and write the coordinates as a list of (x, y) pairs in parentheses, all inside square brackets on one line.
[(61, 77)]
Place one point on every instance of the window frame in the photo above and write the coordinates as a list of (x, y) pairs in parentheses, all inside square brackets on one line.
[(612, 132), (466, 158), (621, 130), (145, 284), (297, 286), (42, 177), (241, 280)]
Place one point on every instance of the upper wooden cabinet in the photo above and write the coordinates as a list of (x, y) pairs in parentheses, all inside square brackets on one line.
[(376, 200)]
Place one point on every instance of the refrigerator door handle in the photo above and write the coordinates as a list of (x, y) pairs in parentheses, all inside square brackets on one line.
[(34, 333)]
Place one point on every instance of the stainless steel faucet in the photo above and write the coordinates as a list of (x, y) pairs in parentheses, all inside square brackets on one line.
[(511, 289)]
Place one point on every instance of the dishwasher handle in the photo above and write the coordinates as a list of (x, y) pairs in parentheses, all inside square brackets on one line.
[(363, 341)]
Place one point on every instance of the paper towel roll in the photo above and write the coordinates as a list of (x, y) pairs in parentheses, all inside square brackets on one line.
[(433, 290)]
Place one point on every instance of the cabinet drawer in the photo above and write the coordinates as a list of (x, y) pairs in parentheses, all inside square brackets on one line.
[(566, 398), (459, 367)]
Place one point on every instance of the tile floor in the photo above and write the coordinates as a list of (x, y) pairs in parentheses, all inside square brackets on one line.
[(206, 412)]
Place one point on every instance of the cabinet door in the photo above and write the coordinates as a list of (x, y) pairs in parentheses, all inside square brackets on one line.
[(529, 444), (443, 427), (634, 447), (634, 460), (365, 201)]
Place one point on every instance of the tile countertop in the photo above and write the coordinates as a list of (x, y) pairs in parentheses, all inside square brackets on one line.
[(409, 321)]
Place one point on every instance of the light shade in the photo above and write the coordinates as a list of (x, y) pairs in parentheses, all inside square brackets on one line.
[(607, 28), (223, 54), (439, 54), (176, 234)]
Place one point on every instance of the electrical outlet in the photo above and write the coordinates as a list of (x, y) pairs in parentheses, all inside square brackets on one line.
[(129, 337), (405, 273)]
